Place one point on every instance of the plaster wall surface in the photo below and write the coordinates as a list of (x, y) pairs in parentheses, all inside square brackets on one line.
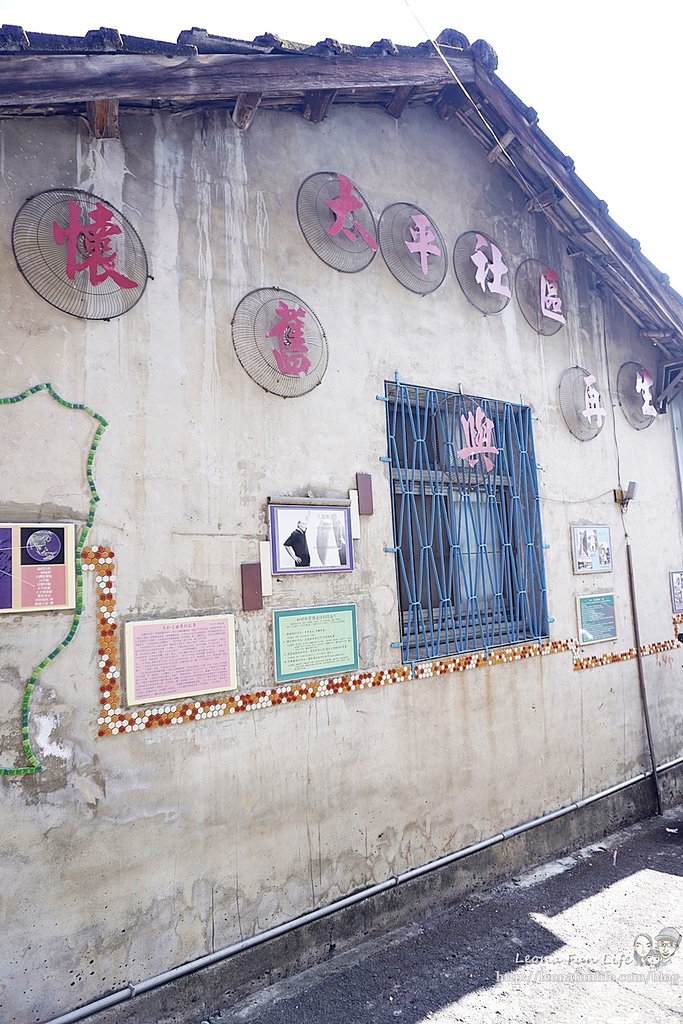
[(130, 854)]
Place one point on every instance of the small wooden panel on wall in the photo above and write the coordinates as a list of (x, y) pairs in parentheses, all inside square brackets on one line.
[(252, 591), (364, 487)]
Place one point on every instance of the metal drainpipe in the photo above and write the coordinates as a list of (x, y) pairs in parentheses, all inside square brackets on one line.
[(123, 995), (641, 674)]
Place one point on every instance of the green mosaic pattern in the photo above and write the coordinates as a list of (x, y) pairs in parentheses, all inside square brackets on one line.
[(34, 765)]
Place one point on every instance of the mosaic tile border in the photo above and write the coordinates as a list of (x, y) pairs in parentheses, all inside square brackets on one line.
[(597, 660), (34, 764), (114, 719)]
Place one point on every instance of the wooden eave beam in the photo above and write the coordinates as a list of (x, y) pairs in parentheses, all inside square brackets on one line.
[(501, 146), (400, 100), (450, 101), (316, 104), (541, 202), (245, 108), (66, 78), (639, 276), (103, 116)]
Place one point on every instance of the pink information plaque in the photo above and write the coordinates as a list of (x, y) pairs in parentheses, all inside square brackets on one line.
[(168, 659)]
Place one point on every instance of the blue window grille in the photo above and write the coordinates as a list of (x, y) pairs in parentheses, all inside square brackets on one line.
[(467, 524)]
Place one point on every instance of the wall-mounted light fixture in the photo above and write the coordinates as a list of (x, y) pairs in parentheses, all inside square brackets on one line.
[(623, 497)]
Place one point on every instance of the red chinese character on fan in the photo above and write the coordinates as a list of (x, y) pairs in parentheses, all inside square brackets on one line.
[(477, 432), (490, 272), (644, 383), (291, 356), (551, 303), (342, 207), (93, 243), (423, 239)]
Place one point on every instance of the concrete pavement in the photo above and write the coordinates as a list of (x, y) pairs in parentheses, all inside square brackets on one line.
[(555, 944)]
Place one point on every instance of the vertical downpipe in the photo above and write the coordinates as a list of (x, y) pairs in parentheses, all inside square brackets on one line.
[(641, 675)]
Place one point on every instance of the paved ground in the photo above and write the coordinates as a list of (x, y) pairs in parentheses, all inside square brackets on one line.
[(554, 945)]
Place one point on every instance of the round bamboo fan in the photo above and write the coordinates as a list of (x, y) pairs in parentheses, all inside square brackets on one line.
[(280, 342)]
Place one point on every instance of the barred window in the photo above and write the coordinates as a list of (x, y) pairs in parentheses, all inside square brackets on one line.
[(467, 525)]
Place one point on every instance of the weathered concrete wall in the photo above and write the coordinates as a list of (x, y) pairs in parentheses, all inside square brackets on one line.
[(130, 854)]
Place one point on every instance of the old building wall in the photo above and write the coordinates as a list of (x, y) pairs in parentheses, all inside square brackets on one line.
[(129, 854)]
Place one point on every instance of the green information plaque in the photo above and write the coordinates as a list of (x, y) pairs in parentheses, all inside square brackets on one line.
[(315, 641), (597, 618)]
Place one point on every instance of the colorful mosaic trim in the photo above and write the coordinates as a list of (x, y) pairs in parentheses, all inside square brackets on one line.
[(100, 560), (596, 660), (115, 719), (499, 656), (33, 763)]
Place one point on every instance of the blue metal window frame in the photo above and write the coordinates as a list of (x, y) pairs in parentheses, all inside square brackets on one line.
[(468, 543)]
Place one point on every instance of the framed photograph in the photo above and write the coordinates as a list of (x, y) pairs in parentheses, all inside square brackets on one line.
[(591, 549), (676, 578), (310, 538), (315, 642), (597, 618)]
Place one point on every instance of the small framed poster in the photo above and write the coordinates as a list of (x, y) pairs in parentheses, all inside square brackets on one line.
[(315, 641), (37, 567), (171, 659), (676, 578), (591, 549), (597, 618), (310, 538)]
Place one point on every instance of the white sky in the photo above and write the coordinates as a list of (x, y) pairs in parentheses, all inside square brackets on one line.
[(604, 78)]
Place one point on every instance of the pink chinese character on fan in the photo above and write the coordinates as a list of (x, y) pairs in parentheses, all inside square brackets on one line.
[(291, 355), (644, 383), (490, 272), (477, 432), (423, 239), (593, 406), (342, 207), (551, 303), (93, 243)]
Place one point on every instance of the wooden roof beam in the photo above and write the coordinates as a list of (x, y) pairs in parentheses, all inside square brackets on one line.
[(450, 100), (399, 101), (103, 117), (32, 79), (316, 104), (501, 146), (642, 280), (245, 108), (541, 202)]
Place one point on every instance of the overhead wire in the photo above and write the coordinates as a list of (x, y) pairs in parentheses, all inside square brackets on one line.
[(532, 191)]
